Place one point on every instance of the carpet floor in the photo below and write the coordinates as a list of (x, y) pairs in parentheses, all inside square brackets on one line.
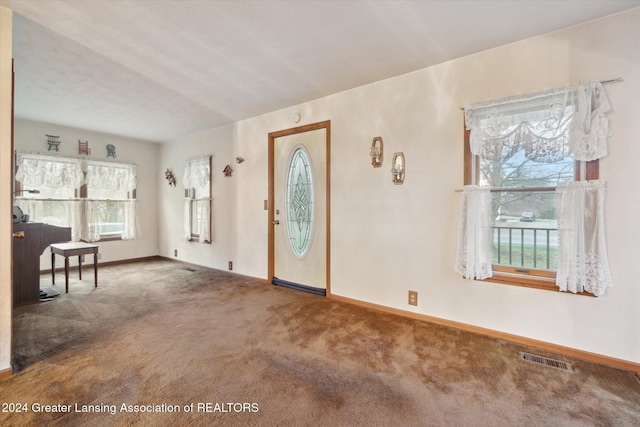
[(165, 343)]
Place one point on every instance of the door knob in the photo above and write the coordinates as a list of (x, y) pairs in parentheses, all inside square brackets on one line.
[(19, 235), (275, 222)]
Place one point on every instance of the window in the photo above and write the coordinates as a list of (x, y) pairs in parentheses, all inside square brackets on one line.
[(521, 150), (95, 199), (110, 200), (300, 202), (197, 202)]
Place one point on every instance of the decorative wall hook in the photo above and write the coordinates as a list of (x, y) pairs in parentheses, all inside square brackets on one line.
[(376, 152), (111, 151), (169, 177), (83, 148), (397, 168), (54, 142), (227, 171)]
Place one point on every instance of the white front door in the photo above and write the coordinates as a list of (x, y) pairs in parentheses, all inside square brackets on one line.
[(299, 208)]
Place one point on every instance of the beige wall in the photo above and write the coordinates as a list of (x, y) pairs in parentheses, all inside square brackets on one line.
[(30, 136), (6, 299), (218, 143), (388, 239)]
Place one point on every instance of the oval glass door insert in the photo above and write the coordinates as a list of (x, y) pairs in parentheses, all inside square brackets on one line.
[(300, 199)]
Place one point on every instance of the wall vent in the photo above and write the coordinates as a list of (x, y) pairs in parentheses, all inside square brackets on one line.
[(541, 360)]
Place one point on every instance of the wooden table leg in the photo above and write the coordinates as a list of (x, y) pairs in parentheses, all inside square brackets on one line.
[(66, 273), (95, 267), (80, 266), (53, 268)]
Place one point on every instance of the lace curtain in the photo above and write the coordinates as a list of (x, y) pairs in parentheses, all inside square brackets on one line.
[(54, 177), (198, 213), (473, 257), (110, 181), (197, 203), (108, 205), (61, 213), (582, 252), (549, 125), (197, 176)]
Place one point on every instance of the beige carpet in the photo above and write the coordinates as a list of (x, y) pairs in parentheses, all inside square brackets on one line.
[(222, 350)]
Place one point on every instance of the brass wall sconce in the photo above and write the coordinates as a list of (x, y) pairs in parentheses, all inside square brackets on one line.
[(398, 168), (376, 152)]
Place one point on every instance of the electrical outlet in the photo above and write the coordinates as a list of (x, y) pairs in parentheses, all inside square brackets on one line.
[(413, 298), (99, 255), (175, 252), (81, 258), (230, 265)]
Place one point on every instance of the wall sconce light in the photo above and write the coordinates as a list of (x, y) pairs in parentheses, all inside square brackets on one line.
[(397, 168), (376, 152)]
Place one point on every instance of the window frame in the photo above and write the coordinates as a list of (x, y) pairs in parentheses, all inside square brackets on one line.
[(536, 278)]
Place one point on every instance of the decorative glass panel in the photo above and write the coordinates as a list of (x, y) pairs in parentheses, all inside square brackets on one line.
[(300, 199)]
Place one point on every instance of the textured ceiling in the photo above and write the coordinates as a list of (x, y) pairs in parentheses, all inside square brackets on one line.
[(160, 70)]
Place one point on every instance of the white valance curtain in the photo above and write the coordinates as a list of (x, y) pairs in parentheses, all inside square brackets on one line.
[(565, 121), (111, 181), (54, 177), (549, 125), (197, 203), (197, 176)]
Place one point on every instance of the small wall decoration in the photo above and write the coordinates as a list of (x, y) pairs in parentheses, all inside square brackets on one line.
[(83, 148), (239, 160), (227, 171), (398, 168), (376, 152), (111, 151), (169, 177), (54, 142)]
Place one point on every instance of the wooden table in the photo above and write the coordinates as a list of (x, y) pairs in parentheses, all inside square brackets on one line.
[(71, 249)]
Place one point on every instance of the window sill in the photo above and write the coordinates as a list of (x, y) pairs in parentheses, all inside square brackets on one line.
[(105, 239), (547, 284)]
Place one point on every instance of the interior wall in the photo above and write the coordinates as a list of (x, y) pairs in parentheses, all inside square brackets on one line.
[(217, 143), (30, 136), (388, 239), (6, 293)]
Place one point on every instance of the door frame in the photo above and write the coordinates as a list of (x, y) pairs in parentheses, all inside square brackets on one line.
[(271, 216)]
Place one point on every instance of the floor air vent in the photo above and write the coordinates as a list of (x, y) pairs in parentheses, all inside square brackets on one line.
[(541, 360)]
